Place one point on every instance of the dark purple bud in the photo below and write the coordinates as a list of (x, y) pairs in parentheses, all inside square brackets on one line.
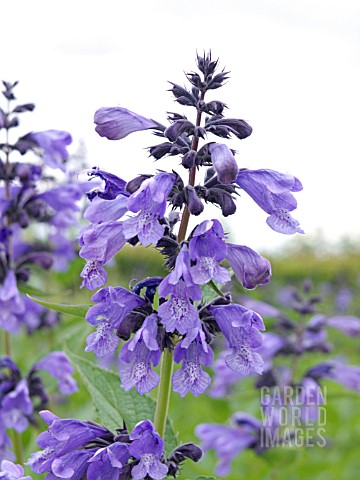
[(135, 183), (43, 259), (26, 107), (180, 454), (217, 81), (24, 144), (188, 160), (223, 127), (193, 202), (206, 65), (169, 248), (150, 284), (11, 122), (183, 96), (159, 151), (215, 107), (178, 128)]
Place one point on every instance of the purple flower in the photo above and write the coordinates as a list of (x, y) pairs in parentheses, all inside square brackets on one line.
[(58, 365), (148, 447), (115, 123), (229, 441), (208, 248), (272, 192), (249, 267), (114, 303), (100, 210), (150, 201), (224, 162), (65, 454), (190, 377), (138, 354), (113, 185), (241, 329), (181, 273), (346, 375), (99, 244), (16, 407), (178, 313), (10, 471), (53, 143), (345, 323), (12, 304), (107, 462)]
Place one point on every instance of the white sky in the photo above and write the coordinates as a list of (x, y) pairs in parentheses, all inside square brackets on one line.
[(295, 77)]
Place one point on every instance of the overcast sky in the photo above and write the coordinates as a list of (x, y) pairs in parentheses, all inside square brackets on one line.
[(295, 77)]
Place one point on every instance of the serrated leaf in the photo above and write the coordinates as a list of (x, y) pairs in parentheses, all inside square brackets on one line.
[(113, 404), (75, 310)]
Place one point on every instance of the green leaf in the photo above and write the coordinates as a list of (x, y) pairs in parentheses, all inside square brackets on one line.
[(28, 289), (210, 291), (112, 404), (76, 310), (205, 478)]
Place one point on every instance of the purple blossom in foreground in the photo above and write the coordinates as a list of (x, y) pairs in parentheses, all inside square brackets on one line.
[(208, 248), (77, 450), (192, 353), (148, 447), (53, 143), (115, 123), (229, 441), (272, 191), (139, 353), (11, 471)]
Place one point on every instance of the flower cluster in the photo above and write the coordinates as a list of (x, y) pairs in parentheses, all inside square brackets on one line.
[(290, 394), (28, 195), (178, 317), (21, 397), (75, 449)]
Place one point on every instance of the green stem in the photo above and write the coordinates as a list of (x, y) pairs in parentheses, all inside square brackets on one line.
[(164, 392), (7, 343), (18, 448)]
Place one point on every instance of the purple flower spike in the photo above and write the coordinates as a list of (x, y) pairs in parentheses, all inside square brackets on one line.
[(10, 471), (58, 365), (249, 267), (138, 354), (53, 143), (190, 377), (148, 447), (241, 329), (224, 162), (271, 190), (116, 123)]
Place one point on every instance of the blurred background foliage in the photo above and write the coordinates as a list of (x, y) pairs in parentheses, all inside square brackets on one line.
[(333, 267)]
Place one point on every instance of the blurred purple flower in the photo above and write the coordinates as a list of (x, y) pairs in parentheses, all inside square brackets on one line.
[(58, 365), (11, 471), (53, 143)]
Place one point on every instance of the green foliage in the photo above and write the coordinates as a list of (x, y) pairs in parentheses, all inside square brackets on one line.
[(75, 310), (112, 404)]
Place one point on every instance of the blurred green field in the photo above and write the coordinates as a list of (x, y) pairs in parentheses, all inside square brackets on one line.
[(339, 460)]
